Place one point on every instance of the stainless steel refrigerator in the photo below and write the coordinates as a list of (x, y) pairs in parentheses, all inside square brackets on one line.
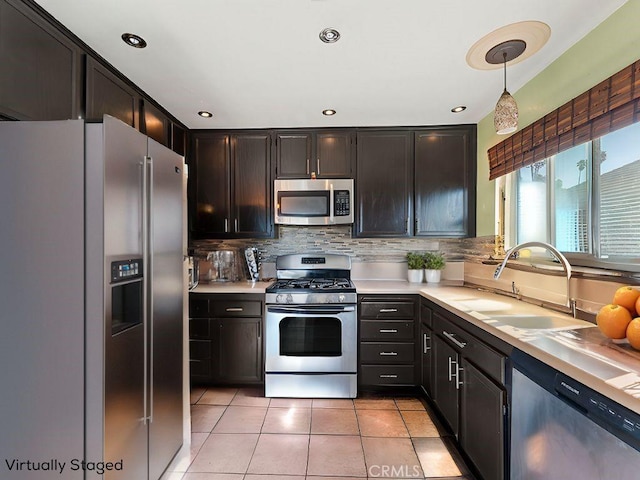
[(91, 299)]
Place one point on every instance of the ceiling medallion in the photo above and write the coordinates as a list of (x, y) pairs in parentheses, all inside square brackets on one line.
[(533, 33)]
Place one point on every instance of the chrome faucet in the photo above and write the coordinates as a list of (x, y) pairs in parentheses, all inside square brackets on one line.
[(571, 304)]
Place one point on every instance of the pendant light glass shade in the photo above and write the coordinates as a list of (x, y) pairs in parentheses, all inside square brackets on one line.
[(505, 115)]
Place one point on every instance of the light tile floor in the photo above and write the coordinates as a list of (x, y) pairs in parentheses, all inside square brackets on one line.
[(238, 434)]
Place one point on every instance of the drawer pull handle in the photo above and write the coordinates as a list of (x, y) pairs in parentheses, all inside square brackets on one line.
[(388, 310), (385, 375), (451, 336), (234, 309), (389, 354), (388, 330)]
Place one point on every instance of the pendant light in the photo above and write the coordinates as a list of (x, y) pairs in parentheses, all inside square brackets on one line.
[(505, 115)]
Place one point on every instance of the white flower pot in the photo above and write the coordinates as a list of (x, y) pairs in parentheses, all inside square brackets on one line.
[(414, 276), (432, 276)]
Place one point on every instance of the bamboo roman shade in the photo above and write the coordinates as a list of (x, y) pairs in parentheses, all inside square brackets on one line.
[(612, 104)]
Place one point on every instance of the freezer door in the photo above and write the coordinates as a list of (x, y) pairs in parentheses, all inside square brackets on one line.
[(125, 429), (166, 312)]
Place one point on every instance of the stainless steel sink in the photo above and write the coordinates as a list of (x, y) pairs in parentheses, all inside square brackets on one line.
[(539, 322)]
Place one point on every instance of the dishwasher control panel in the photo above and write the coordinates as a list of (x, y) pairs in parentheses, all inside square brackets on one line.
[(614, 417)]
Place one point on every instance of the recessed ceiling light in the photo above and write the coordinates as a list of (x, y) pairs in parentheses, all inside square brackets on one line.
[(328, 112), (134, 40), (458, 109), (329, 35), (205, 114)]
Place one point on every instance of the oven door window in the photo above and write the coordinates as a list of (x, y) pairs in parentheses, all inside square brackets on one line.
[(311, 337)]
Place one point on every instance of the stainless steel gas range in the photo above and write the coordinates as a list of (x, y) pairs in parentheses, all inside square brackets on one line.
[(311, 332)]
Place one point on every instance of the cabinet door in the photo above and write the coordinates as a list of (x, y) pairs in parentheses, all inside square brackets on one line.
[(446, 387), (482, 422), (109, 94), (333, 155), (426, 380), (239, 350), (294, 154), (384, 184), (40, 77), (445, 183), (252, 185), (156, 124), (209, 192)]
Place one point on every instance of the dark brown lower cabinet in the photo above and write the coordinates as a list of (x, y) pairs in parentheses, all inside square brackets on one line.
[(239, 350), (482, 421), (468, 388), (447, 385), (225, 338)]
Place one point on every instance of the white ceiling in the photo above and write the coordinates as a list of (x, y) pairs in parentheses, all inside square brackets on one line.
[(260, 63)]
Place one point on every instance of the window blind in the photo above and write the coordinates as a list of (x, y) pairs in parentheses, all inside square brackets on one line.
[(612, 104)]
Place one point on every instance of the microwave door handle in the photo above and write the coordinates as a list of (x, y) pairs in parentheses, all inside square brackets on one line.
[(331, 200)]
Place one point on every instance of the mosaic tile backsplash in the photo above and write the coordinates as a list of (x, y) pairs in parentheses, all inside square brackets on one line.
[(337, 239)]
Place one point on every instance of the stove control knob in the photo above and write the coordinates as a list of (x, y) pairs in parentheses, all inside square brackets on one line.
[(289, 298), (279, 298)]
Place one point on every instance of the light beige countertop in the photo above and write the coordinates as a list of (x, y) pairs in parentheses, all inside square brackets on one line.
[(231, 287), (597, 362), (613, 370)]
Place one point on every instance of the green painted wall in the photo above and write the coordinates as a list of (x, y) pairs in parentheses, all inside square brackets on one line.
[(607, 49)]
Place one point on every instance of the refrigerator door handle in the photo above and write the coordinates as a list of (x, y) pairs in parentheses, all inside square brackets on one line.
[(151, 249), (147, 292)]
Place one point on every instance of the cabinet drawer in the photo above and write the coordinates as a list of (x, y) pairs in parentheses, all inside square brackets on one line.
[(387, 353), (237, 308), (484, 357), (386, 330), (387, 310), (198, 307), (387, 375), (199, 350), (199, 328)]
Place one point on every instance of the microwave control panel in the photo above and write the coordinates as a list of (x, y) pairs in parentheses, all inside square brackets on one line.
[(342, 203)]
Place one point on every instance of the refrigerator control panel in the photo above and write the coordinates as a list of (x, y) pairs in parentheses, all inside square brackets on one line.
[(124, 270)]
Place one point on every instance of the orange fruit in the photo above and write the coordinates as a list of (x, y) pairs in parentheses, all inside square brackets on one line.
[(613, 320), (627, 297), (633, 333)]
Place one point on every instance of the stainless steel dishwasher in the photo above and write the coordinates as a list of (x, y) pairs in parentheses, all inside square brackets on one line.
[(563, 429)]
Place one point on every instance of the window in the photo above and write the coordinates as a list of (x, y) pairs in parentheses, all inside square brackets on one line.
[(585, 201)]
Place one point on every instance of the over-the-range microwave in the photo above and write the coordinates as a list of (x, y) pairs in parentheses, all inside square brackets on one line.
[(313, 201)]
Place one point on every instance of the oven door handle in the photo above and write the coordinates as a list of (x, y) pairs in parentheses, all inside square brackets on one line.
[(312, 309)]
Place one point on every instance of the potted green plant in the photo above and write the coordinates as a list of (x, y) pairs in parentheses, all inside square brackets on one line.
[(415, 265), (434, 263)]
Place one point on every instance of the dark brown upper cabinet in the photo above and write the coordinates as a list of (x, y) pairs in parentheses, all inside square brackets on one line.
[(156, 124), (384, 184), (445, 179), (109, 94), (325, 153), (178, 139), (41, 74), (230, 185)]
